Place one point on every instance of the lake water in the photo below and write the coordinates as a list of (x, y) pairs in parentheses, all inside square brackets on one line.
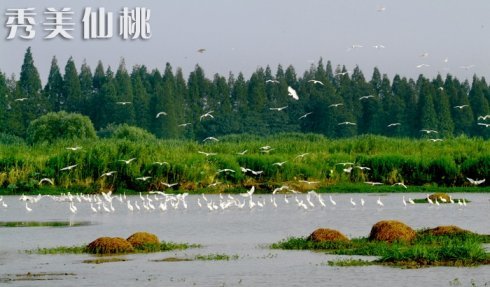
[(244, 232)]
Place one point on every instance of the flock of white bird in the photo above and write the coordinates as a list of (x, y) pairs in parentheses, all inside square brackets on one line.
[(159, 201)]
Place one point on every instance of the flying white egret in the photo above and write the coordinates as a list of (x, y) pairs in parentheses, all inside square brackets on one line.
[(400, 184), (68, 167), (435, 140), (206, 115), (169, 184), (484, 124), (362, 167), (272, 81), (484, 118), (242, 152), (207, 153), (292, 93), (393, 125), (123, 103), (278, 109), (305, 115), (279, 163), (342, 73), (335, 105), (184, 124), (210, 139), (366, 97), (460, 107), (302, 155), (75, 148), (475, 182), (316, 82), (346, 123), (161, 162), (127, 161), (373, 183), (429, 131), (348, 170), (225, 170), (143, 178), (161, 114), (308, 182), (20, 99), (46, 180), (344, 163), (422, 66), (109, 173)]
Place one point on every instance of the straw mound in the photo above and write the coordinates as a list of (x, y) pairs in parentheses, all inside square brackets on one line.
[(391, 230), (447, 230), (441, 197), (325, 234), (109, 245), (140, 239)]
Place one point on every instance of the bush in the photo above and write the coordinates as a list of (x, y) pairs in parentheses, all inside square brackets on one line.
[(127, 132), (109, 245), (391, 230), (440, 196), (62, 125), (8, 139), (325, 234)]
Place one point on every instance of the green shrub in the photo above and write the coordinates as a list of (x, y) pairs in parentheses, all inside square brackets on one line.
[(128, 132), (61, 125)]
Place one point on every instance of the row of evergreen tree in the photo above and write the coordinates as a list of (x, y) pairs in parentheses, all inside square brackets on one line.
[(243, 106)]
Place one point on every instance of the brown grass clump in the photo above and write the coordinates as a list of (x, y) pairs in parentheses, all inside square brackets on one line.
[(441, 197), (447, 230), (391, 230), (140, 239), (325, 234), (109, 245)]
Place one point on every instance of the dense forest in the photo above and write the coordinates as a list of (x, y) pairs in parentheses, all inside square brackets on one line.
[(332, 101)]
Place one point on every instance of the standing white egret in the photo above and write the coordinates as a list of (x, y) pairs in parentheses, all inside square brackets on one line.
[(28, 208), (352, 202), (379, 202), (331, 200)]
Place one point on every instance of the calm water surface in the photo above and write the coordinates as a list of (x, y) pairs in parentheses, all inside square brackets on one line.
[(244, 232)]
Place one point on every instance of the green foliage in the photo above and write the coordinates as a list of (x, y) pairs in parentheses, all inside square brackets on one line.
[(464, 249), (61, 125), (131, 133)]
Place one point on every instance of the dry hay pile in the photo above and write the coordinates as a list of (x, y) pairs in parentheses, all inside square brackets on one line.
[(446, 230), (109, 245), (140, 239), (441, 197), (391, 230), (325, 234)]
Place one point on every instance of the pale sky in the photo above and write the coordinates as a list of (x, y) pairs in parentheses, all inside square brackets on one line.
[(241, 35)]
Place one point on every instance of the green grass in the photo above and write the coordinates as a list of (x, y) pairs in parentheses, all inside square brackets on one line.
[(104, 260), (43, 223), (423, 166), (201, 257), (426, 250), (148, 248)]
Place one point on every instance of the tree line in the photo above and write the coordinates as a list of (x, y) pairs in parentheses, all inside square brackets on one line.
[(342, 104)]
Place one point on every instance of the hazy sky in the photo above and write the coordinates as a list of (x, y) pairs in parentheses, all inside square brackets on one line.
[(241, 35)]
